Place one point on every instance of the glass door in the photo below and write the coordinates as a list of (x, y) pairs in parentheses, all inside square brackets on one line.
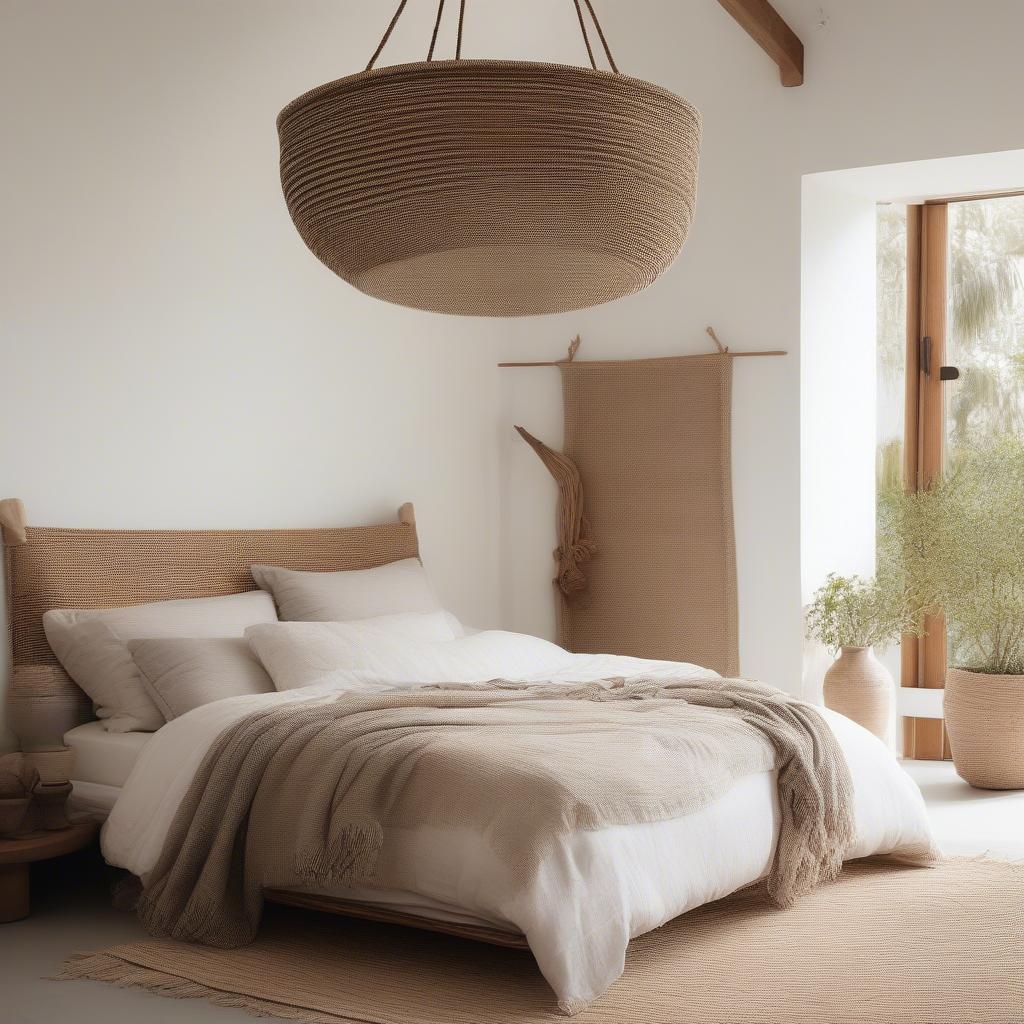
[(964, 373), (985, 318)]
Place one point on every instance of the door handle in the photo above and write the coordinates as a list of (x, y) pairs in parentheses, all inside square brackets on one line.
[(945, 372)]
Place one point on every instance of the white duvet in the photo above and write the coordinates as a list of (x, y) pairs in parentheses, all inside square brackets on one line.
[(599, 888)]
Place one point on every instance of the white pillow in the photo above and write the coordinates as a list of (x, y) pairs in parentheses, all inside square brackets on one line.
[(400, 586), (356, 656), (92, 645), (305, 651)]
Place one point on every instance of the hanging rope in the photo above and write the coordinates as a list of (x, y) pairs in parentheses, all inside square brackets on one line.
[(722, 349), (387, 34), (600, 32), (437, 25), (462, 16), (458, 38), (586, 38)]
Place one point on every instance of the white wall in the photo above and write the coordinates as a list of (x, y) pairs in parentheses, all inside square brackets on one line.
[(887, 80), (838, 383), (838, 378), (172, 355), (739, 271)]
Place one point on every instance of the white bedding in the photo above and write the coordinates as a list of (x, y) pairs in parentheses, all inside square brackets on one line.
[(103, 761), (599, 888), (103, 757), (91, 801)]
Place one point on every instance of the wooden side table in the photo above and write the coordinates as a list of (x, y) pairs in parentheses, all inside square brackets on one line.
[(18, 853)]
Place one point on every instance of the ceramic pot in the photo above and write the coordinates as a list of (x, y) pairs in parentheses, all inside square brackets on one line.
[(985, 721), (42, 705), (12, 814), (859, 686)]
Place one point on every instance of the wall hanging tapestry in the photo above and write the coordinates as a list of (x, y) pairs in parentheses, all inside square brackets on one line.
[(646, 558), (491, 187)]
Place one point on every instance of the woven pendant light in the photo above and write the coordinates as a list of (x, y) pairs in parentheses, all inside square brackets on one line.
[(491, 187)]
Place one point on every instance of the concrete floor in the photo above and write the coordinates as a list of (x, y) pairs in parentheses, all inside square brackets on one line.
[(969, 821), (72, 913)]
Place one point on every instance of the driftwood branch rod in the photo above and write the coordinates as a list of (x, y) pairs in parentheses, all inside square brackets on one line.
[(575, 344)]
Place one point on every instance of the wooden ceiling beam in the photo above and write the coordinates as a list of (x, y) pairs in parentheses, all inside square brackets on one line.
[(766, 27)]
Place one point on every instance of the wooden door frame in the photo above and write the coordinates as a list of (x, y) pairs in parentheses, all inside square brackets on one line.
[(923, 660)]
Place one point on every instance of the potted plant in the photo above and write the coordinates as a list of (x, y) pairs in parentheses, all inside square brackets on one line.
[(853, 616), (960, 545)]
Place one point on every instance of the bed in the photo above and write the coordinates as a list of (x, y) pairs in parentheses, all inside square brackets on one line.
[(102, 764), (597, 890)]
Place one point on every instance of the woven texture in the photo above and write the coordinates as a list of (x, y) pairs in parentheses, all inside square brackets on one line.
[(650, 439), (860, 687), (875, 947), (65, 568), (985, 718), (491, 188)]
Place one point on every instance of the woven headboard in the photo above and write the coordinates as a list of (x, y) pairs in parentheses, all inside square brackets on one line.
[(50, 567)]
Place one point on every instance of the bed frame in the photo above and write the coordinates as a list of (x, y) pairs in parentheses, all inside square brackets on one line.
[(53, 567)]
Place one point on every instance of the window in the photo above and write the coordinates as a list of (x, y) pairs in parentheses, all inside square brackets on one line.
[(950, 329)]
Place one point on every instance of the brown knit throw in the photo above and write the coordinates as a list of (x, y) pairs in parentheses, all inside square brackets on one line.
[(307, 793)]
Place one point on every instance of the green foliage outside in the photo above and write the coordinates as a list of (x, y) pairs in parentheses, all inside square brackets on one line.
[(985, 316)]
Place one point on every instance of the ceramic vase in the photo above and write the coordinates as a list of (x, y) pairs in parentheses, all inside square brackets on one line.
[(42, 705), (985, 721), (860, 687)]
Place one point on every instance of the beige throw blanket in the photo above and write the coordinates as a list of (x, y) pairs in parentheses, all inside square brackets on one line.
[(307, 794)]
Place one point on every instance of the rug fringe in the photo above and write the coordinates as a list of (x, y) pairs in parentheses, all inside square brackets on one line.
[(125, 974), (979, 858)]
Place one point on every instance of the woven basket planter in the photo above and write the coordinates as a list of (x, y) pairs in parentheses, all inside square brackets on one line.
[(491, 188), (985, 720)]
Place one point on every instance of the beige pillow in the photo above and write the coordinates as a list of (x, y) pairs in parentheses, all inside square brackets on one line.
[(182, 674), (92, 645), (298, 653), (390, 589)]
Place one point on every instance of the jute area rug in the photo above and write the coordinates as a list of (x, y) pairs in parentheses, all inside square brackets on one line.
[(883, 945)]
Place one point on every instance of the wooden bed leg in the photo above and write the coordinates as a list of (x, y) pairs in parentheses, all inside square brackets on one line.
[(14, 892)]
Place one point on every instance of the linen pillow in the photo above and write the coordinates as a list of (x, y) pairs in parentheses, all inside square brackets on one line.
[(182, 674), (305, 651), (401, 586), (92, 645), (354, 656)]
